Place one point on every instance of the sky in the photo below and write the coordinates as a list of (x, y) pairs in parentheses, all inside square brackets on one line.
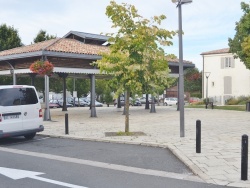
[(207, 24)]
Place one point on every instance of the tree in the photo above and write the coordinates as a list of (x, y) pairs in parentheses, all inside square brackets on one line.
[(82, 86), (100, 88), (240, 44), (108, 98), (135, 58), (43, 36), (193, 81), (9, 37)]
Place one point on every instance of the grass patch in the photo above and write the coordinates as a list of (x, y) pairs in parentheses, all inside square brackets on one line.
[(226, 107), (121, 133)]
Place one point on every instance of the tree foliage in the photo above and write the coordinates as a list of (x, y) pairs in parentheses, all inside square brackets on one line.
[(82, 86), (240, 44), (43, 36), (193, 81), (9, 37), (135, 58)]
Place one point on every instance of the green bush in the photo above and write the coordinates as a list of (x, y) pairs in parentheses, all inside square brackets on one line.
[(232, 101), (238, 101)]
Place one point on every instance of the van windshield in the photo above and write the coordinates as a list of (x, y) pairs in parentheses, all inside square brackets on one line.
[(17, 96)]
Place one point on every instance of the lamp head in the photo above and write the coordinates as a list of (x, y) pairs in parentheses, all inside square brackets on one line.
[(182, 1), (186, 1)]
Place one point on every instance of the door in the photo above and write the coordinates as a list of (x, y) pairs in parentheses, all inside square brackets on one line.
[(30, 108)]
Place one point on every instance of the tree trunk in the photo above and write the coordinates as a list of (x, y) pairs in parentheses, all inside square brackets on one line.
[(152, 110), (127, 111), (147, 103)]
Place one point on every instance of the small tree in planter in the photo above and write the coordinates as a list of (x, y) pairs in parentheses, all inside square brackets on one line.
[(108, 98)]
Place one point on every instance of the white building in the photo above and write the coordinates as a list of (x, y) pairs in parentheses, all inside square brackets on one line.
[(224, 77)]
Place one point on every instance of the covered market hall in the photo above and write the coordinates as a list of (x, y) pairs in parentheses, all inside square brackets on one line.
[(71, 56)]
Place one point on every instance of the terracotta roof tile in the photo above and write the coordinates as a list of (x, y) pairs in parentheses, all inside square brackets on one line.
[(220, 51), (73, 46), (64, 45), (29, 48)]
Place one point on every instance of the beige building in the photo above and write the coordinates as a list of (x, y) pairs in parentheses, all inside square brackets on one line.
[(224, 77)]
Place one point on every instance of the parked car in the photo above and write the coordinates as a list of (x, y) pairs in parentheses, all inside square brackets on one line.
[(81, 102), (170, 101), (60, 102), (194, 100), (137, 102), (97, 104), (54, 104), (143, 100)]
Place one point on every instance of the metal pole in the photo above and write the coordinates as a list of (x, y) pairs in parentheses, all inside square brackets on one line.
[(14, 77), (66, 123), (207, 91), (244, 157), (92, 102), (198, 136), (64, 108), (47, 110), (181, 79)]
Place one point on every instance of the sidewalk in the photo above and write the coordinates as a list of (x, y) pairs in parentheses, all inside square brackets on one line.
[(219, 161)]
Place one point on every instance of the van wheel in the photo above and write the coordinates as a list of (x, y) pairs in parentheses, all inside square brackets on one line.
[(30, 136)]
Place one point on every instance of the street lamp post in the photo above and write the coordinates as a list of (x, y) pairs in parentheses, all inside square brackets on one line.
[(207, 74), (181, 78)]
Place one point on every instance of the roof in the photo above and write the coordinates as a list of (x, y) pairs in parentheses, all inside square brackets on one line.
[(87, 38), (87, 35), (64, 45), (220, 51)]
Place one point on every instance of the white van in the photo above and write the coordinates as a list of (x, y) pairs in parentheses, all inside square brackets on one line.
[(20, 111)]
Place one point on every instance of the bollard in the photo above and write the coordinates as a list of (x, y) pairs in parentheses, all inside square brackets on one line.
[(66, 124), (198, 136), (244, 157)]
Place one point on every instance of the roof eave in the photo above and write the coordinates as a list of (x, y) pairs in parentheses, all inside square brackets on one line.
[(49, 53), (185, 65)]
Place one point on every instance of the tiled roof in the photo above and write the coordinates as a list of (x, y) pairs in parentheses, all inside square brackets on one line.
[(220, 51), (74, 46), (64, 45)]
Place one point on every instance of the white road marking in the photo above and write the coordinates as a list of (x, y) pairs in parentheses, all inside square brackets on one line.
[(189, 177), (17, 174)]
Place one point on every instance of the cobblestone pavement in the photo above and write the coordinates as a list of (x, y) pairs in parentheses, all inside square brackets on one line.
[(219, 161)]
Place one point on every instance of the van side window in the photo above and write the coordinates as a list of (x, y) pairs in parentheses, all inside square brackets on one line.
[(9, 97), (17, 96), (28, 96)]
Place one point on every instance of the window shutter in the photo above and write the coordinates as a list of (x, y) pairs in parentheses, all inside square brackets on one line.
[(222, 62), (227, 85), (232, 62)]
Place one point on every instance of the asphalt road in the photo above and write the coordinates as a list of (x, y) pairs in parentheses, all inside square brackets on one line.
[(79, 164)]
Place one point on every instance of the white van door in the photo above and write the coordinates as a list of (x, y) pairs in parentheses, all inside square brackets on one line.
[(30, 109), (11, 110)]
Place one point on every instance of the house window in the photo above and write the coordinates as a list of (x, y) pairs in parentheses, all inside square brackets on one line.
[(227, 62), (212, 84)]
